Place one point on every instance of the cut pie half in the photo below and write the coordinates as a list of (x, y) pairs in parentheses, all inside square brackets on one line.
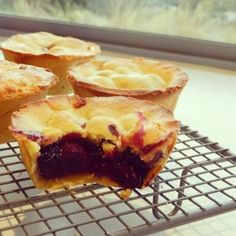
[(49, 51), (156, 81), (114, 141), (20, 84)]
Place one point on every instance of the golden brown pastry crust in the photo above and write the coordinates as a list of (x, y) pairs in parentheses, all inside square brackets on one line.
[(20, 84), (70, 113), (49, 51), (167, 94)]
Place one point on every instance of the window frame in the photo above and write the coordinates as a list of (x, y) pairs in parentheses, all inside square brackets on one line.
[(217, 54)]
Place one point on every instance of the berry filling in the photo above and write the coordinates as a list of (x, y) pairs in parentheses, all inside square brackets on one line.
[(73, 154)]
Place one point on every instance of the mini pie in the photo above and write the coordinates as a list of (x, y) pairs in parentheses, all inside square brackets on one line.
[(20, 84), (49, 51), (114, 141), (156, 81)]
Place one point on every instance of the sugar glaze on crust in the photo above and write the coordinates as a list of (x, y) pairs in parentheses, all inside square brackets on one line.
[(148, 130)]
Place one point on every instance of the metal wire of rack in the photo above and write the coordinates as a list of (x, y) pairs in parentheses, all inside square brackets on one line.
[(199, 181)]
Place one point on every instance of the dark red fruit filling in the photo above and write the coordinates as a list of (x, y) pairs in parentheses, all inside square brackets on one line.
[(73, 154)]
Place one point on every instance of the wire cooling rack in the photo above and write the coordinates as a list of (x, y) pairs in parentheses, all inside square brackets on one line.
[(199, 181)]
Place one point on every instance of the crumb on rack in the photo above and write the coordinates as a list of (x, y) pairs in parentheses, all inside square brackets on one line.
[(125, 193)]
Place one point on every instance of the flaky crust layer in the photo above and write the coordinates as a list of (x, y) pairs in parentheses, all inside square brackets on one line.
[(85, 81), (91, 117)]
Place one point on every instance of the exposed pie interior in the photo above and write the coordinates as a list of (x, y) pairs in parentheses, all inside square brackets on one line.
[(114, 141)]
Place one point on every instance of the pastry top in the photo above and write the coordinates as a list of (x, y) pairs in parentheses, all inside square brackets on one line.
[(43, 43), (124, 76), (18, 80), (125, 122)]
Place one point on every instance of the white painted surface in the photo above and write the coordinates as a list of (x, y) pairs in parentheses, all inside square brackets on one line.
[(208, 104)]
